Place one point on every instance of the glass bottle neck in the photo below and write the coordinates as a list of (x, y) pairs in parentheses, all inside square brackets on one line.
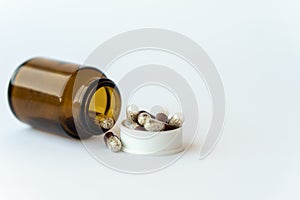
[(99, 98)]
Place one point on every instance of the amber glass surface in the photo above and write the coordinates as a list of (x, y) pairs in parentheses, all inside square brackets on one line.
[(103, 100), (50, 95)]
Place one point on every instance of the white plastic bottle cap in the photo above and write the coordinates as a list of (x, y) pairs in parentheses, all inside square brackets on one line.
[(151, 143)]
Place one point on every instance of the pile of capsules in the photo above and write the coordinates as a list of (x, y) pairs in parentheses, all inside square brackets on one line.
[(157, 120)]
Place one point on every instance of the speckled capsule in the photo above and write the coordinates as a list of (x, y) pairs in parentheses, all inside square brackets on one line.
[(154, 125), (132, 112), (162, 117), (104, 121), (112, 142), (169, 127), (140, 128), (130, 124), (142, 116), (176, 120), (159, 109)]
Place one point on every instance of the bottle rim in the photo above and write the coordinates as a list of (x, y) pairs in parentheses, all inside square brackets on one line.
[(81, 102)]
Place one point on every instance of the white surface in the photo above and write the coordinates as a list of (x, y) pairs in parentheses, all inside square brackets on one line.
[(256, 48)]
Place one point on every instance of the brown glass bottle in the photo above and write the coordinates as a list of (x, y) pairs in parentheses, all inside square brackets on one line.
[(62, 97)]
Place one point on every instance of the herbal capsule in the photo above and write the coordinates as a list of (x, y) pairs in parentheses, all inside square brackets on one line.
[(169, 127), (112, 142), (132, 112), (142, 116), (159, 109), (140, 128), (176, 120), (130, 124), (104, 121), (154, 125), (61, 97), (162, 117)]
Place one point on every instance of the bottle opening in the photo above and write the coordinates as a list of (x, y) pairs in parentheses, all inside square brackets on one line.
[(104, 102), (102, 106)]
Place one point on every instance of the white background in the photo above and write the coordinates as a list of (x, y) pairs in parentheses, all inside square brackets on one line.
[(255, 46)]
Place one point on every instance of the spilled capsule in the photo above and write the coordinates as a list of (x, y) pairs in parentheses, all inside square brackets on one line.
[(112, 142)]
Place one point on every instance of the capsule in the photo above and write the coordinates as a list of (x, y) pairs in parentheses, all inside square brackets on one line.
[(176, 120), (140, 128), (104, 121), (112, 142), (154, 125), (142, 116), (169, 127), (162, 117), (132, 112), (159, 109), (130, 124)]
